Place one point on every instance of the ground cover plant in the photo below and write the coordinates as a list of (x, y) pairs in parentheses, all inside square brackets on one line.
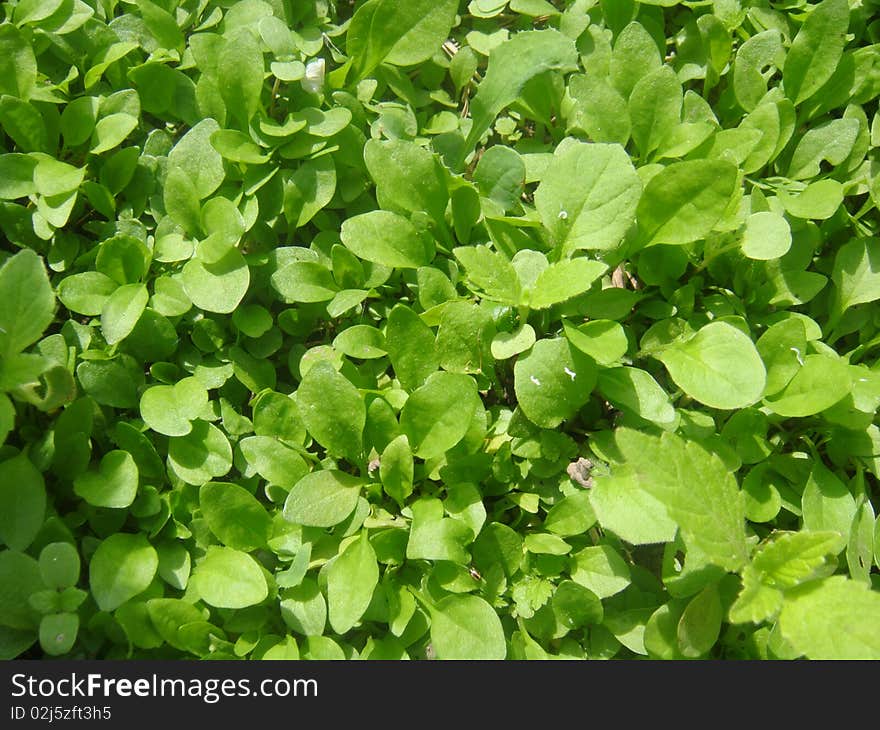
[(436, 329)]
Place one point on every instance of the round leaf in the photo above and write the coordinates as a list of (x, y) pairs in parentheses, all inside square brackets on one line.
[(719, 367), (437, 415), (58, 633), (201, 455), (235, 516), (228, 578), (322, 499), (122, 567), (113, 485), (552, 382), (466, 627), (385, 238), (59, 565)]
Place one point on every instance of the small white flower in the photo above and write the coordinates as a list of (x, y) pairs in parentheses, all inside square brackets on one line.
[(313, 81)]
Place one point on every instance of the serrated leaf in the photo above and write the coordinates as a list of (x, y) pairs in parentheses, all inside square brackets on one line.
[(709, 513), (835, 618)]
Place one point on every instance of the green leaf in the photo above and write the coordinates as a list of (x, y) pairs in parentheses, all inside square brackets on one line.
[(601, 570), (333, 410), (576, 606), (598, 109), (603, 340), (219, 286), (197, 159), (122, 310), (237, 147), (18, 64), (435, 537), (174, 564), (361, 341), (228, 578), (322, 498), (564, 280), (311, 188), (437, 415), (511, 66), (304, 609), (410, 345), (304, 281), (385, 238), (785, 560), (818, 384), (16, 176), (273, 461), (831, 142), (700, 623), (466, 627), (835, 618), (709, 513), (27, 304), (169, 409), (719, 367), (408, 177), (597, 212), (507, 344), (351, 579), (634, 57), (781, 347), (635, 390), (827, 503), (161, 24), (767, 236), (552, 382), (490, 273), (20, 578), (58, 633), (114, 484), (200, 455), (816, 50), (234, 515), (403, 35), (500, 176), (121, 568), (59, 565), (396, 469), (655, 109), (856, 274), (23, 124), (22, 502), (818, 201), (684, 201), (111, 131), (240, 65), (632, 513)]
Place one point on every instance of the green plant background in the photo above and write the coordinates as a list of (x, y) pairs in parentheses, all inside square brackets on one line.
[(437, 329)]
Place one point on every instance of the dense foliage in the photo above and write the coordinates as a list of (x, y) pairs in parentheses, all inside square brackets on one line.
[(502, 328)]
